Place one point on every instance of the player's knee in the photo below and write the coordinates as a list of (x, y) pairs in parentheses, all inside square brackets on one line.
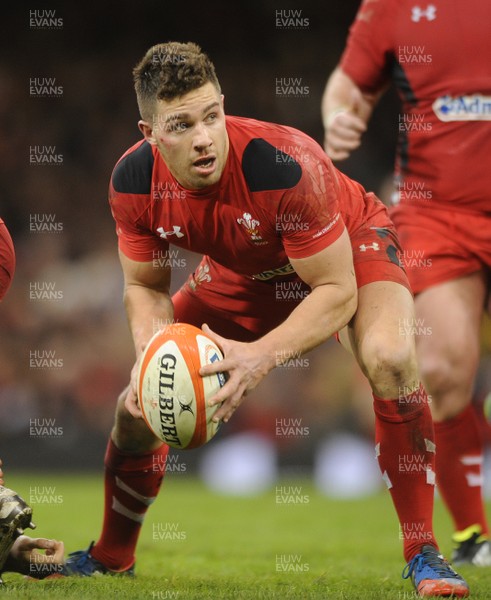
[(130, 434), (449, 386), (390, 365)]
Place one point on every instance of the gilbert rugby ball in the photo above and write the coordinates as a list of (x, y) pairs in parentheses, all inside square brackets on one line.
[(172, 394)]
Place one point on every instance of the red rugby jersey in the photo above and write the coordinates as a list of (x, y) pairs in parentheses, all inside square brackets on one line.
[(279, 196), (437, 53)]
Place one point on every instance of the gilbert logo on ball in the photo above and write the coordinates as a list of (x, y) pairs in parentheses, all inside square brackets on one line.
[(172, 394)]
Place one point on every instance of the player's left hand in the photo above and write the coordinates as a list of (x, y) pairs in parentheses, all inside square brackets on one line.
[(25, 557), (245, 368)]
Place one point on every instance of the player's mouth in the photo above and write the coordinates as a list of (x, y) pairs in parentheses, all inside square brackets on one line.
[(205, 165)]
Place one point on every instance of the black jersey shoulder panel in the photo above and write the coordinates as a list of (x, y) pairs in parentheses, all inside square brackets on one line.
[(133, 173), (266, 167)]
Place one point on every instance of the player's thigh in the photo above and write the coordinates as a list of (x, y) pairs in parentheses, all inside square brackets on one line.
[(382, 345), (448, 319)]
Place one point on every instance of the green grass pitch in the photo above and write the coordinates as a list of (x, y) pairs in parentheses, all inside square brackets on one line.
[(199, 545)]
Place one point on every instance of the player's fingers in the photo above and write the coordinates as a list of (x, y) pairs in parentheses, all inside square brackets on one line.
[(347, 121), (220, 366), (131, 404), (221, 342), (230, 406), (336, 154)]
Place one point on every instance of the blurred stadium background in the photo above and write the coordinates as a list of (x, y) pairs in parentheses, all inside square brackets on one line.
[(65, 350)]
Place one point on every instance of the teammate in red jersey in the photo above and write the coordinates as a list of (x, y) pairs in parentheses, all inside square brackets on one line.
[(436, 54), (228, 188), (18, 552)]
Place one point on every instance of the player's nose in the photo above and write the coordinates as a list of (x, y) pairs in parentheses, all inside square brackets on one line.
[(202, 137)]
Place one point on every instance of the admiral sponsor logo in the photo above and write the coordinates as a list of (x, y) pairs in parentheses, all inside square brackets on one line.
[(291, 87), (44, 223), (168, 259), (476, 107), (44, 155), (45, 87), (290, 291), (44, 290), (291, 19), (265, 275), (291, 563), (166, 398), (413, 122), (44, 19)]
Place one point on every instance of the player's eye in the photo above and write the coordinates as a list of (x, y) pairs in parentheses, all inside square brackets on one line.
[(211, 117)]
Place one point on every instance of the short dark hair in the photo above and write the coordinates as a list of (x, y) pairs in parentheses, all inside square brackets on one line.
[(170, 70)]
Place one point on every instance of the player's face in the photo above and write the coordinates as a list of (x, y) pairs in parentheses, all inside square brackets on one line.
[(191, 136)]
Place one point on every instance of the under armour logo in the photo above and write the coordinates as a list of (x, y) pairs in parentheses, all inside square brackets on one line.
[(176, 230), (365, 247), (418, 13)]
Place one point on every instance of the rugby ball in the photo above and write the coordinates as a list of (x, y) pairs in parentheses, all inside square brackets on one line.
[(172, 394)]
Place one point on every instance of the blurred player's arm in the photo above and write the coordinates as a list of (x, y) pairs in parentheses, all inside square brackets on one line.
[(346, 110), (148, 307), (327, 309)]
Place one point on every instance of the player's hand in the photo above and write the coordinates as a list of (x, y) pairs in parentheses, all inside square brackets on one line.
[(1, 473), (26, 558), (344, 128), (131, 401), (245, 368), (343, 134)]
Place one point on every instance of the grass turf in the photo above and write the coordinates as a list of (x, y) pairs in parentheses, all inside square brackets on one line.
[(199, 545)]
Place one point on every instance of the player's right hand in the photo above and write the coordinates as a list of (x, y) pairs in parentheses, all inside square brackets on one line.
[(343, 134)]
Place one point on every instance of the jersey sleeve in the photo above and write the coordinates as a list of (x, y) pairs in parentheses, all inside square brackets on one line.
[(135, 239), (309, 218), (369, 49), (131, 204)]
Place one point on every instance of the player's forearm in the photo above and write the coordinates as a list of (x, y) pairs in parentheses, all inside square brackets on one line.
[(148, 311), (326, 310), (342, 94)]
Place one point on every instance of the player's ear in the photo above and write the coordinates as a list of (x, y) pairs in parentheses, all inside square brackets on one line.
[(146, 128), (222, 98)]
